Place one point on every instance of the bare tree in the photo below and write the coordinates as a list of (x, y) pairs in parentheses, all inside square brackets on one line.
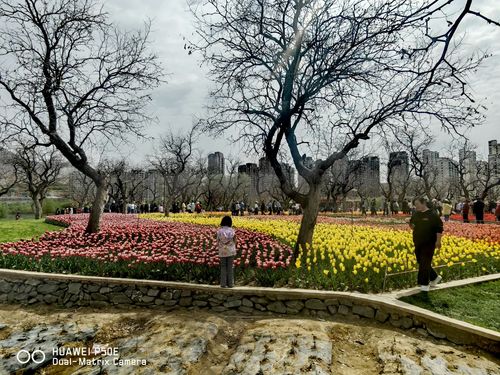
[(416, 141), (172, 161), (40, 168), (340, 180), (487, 179), (8, 172), (81, 189), (288, 70), (463, 157), (398, 177), (75, 79), (124, 183)]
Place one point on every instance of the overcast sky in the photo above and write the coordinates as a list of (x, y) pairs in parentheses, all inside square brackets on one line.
[(177, 103)]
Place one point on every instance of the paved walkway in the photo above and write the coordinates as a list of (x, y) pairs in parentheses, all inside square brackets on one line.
[(443, 285)]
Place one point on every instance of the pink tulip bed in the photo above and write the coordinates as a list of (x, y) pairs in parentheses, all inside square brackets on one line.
[(128, 246)]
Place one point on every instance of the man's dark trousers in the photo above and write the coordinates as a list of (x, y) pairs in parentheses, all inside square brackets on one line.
[(424, 253)]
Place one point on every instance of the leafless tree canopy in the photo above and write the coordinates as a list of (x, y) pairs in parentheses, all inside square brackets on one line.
[(39, 170), (287, 71), (81, 189), (73, 79), (124, 183), (172, 160), (9, 175)]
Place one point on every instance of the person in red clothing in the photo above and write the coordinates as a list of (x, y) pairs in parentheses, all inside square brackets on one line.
[(497, 211)]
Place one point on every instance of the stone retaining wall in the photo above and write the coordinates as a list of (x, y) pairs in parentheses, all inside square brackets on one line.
[(30, 288)]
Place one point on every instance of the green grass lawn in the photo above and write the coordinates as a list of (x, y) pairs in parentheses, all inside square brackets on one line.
[(478, 304), (14, 230)]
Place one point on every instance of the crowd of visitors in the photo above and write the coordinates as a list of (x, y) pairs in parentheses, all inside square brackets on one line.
[(443, 208)]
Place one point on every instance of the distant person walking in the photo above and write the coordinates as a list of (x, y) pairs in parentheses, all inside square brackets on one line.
[(373, 207), (447, 207), (497, 210), (226, 243), (465, 211), (427, 231), (478, 210)]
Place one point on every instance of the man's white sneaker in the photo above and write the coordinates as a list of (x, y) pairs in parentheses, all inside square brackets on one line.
[(436, 281), (425, 288)]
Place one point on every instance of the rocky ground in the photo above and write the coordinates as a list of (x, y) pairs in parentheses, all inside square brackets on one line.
[(196, 342)]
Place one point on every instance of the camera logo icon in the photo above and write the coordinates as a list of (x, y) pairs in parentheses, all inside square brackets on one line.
[(23, 356)]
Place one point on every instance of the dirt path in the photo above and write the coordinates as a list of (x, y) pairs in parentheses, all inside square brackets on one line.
[(196, 342)]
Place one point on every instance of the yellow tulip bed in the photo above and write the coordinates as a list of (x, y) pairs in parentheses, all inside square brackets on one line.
[(357, 257)]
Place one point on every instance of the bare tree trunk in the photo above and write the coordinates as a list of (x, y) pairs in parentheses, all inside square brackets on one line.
[(124, 206), (309, 216), (98, 205), (38, 206), (168, 205)]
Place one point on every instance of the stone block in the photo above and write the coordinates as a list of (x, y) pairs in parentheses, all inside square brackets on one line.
[(98, 297), (436, 332), (49, 298), (47, 288), (119, 298), (214, 302), (295, 304), (344, 310), (332, 309), (33, 282), (99, 304), (277, 307), (332, 302), (260, 300), (322, 314), (246, 302), (176, 294), (233, 303), (403, 322), (365, 311), (153, 292), (345, 302), (219, 308), (246, 309), (260, 307), (166, 295), (92, 288), (315, 304), (185, 301), (74, 288), (381, 316), (406, 322)]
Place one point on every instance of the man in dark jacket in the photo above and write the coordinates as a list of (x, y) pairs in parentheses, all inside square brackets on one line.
[(478, 210), (465, 211), (427, 231)]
